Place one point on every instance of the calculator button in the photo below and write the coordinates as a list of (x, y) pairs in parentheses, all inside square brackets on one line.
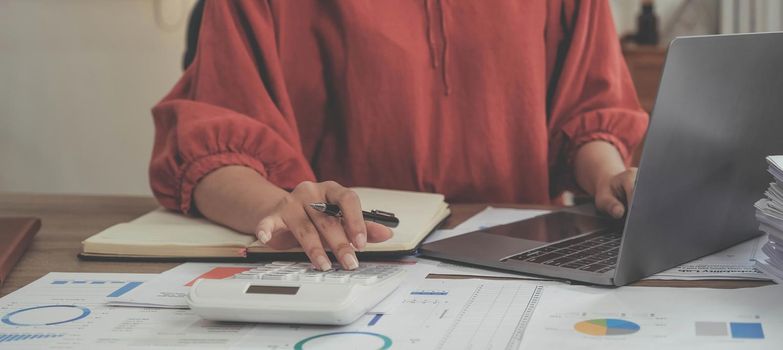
[(274, 277), (261, 270), (364, 279), (250, 273), (336, 279), (292, 269), (281, 263), (337, 276), (245, 276), (314, 277), (291, 277)]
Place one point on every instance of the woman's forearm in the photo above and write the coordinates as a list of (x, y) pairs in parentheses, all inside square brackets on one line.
[(237, 197)]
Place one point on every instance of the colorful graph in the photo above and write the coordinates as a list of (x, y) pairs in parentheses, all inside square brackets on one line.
[(12, 337), (606, 327), (45, 315)]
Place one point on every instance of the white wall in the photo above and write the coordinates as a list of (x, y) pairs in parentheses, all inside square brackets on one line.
[(77, 80)]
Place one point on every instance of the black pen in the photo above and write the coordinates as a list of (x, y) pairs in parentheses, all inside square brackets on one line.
[(382, 217)]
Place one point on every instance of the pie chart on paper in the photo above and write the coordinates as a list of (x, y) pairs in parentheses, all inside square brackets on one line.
[(606, 327)]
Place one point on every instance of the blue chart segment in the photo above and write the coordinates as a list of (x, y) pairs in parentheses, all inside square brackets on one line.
[(746, 330), (45, 315), (7, 338), (375, 319), (122, 286), (124, 289)]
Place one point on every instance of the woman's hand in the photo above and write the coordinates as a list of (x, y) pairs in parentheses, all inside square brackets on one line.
[(293, 223), (614, 193), (240, 198), (601, 172)]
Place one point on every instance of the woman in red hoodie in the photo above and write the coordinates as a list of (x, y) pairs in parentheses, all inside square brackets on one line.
[(483, 101)]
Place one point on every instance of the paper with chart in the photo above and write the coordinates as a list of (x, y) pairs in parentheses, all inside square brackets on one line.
[(572, 317), (439, 314), (65, 311), (737, 262)]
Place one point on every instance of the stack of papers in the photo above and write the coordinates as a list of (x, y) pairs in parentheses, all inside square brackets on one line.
[(769, 212)]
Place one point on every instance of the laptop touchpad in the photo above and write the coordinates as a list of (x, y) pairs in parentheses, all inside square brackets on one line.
[(552, 227)]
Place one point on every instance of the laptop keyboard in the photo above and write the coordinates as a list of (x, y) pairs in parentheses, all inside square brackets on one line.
[(596, 252)]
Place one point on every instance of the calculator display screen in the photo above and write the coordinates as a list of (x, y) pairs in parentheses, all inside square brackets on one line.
[(272, 290)]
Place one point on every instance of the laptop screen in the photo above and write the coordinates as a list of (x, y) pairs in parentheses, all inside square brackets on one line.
[(553, 227)]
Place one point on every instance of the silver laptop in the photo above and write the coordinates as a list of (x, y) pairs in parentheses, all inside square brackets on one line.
[(718, 114)]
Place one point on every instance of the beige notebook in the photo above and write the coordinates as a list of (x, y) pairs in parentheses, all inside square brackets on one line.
[(165, 234)]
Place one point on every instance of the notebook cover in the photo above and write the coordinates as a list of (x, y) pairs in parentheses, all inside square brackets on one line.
[(16, 235)]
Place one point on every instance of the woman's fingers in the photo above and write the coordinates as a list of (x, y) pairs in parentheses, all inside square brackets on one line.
[(607, 202), (351, 208), (331, 229), (307, 236), (613, 196), (295, 223), (332, 233), (377, 232), (267, 226), (628, 183)]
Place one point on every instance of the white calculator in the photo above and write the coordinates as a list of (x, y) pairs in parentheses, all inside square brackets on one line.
[(288, 292)]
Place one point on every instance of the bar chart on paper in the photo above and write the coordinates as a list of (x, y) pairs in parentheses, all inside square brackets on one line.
[(19, 337), (70, 308), (110, 289)]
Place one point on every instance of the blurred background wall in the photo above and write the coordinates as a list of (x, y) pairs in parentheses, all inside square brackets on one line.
[(78, 78)]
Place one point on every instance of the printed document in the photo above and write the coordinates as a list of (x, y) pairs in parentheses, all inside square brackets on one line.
[(65, 311)]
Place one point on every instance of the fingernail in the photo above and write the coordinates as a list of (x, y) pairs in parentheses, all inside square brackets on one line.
[(323, 263), (617, 211), (361, 241), (350, 262), (264, 236)]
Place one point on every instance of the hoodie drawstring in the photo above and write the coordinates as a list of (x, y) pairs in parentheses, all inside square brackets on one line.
[(438, 62)]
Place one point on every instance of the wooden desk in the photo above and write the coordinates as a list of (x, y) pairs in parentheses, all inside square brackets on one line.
[(67, 220)]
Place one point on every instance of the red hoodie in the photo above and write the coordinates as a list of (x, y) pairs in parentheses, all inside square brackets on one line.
[(483, 101)]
